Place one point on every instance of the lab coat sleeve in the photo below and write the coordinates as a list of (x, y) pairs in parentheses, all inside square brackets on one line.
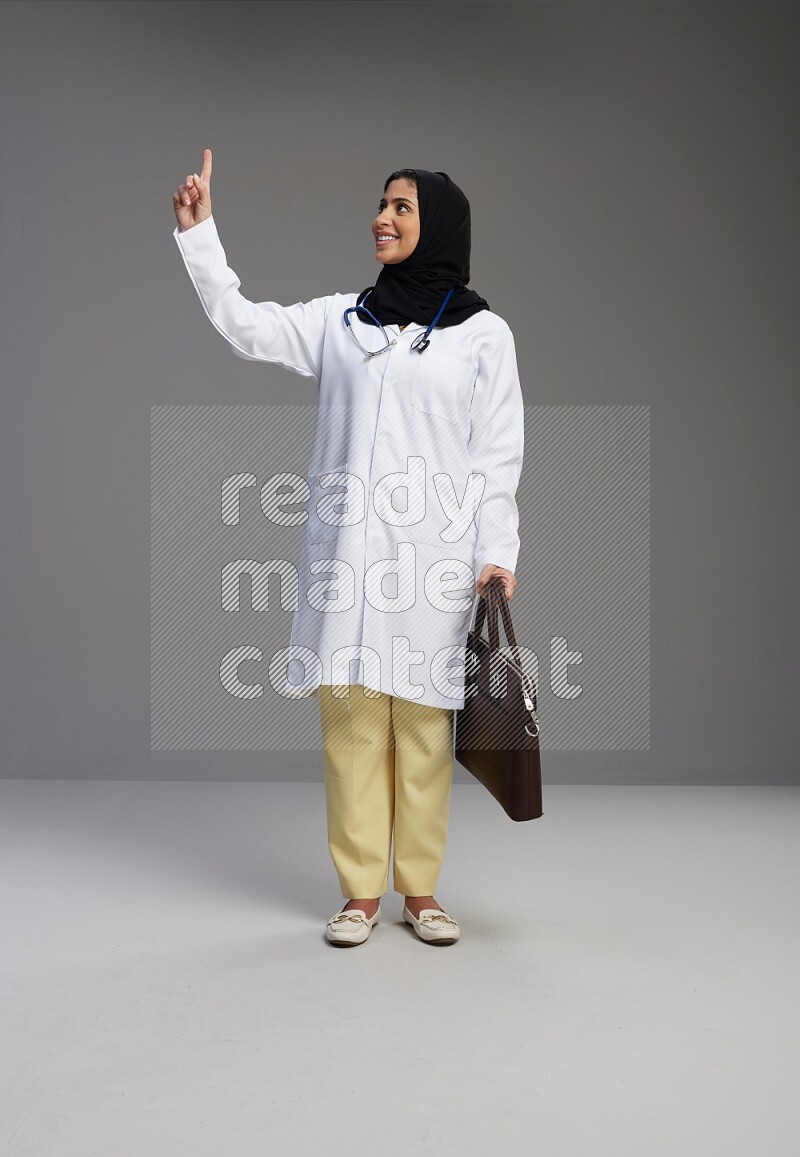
[(290, 335), (496, 443)]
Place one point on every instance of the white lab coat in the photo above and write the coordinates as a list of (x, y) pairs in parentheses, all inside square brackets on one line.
[(397, 438)]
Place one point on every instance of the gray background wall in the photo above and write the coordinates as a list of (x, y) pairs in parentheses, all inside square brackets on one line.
[(633, 174)]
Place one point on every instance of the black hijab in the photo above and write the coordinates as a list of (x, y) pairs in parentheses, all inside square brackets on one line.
[(413, 289)]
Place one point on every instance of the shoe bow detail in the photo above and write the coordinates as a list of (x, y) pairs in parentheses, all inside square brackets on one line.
[(429, 918), (341, 917)]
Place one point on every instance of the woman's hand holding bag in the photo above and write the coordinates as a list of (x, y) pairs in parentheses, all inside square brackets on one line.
[(506, 576)]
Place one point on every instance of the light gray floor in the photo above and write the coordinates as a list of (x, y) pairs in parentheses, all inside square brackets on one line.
[(626, 980)]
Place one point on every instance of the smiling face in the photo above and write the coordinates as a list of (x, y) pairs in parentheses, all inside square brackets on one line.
[(398, 216)]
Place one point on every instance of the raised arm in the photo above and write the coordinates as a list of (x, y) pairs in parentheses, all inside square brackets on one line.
[(289, 335)]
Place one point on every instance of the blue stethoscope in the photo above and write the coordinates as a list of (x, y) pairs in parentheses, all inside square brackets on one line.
[(420, 342)]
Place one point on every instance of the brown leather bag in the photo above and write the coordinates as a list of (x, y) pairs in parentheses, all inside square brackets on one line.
[(497, 735)]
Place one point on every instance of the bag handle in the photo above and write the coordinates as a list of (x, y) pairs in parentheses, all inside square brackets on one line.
[(494, 596), (485, 601)]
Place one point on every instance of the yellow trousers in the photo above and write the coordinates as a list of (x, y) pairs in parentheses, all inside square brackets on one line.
[(387, 761)]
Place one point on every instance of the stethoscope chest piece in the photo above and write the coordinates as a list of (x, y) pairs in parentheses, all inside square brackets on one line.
[(421, 341)]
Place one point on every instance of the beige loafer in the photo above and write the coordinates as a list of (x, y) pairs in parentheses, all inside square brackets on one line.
[(434, 926), (351, 927)]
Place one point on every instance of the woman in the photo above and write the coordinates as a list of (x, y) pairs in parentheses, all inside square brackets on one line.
[(418, 391)]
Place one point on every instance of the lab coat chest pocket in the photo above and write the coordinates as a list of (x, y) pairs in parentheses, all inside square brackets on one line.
[(327, 503), (441, 383)]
